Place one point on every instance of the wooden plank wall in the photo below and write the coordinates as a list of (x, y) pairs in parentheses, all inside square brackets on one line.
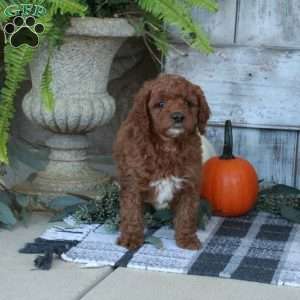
[(269, 22), (272, 152), (253, 78)]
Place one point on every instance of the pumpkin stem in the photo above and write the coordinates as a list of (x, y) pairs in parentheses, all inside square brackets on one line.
[(227, 150)]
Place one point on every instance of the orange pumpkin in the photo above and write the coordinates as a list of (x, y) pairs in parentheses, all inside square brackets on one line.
[(229, 183)]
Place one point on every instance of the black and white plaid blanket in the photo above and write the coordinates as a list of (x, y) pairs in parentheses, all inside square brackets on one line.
[(258, 247)]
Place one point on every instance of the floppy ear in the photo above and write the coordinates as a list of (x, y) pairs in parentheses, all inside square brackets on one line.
[(203, 110), (139, 116)]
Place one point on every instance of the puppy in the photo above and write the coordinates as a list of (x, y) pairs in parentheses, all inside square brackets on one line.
[(159, 157)]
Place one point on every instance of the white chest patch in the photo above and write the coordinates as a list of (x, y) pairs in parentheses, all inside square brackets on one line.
[(165, 190)]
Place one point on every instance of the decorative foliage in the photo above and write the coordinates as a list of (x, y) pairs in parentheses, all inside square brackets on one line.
[(104, 209), (178, 14), (211, 6), (46, 91), (154, 15), (61, 202), (71, 7), (13, 207), (281, 200), (155, 241), (6, 215), (107, 9), (290, 213), (15, 61)]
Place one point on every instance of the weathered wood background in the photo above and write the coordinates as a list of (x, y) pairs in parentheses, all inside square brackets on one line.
[(253, 78)]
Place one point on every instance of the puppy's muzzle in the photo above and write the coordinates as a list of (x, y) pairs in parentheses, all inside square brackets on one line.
[(177, 117)]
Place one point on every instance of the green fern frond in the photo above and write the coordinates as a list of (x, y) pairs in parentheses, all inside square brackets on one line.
[(160, 39), (153, 29), (15, 61), (177, 14), (210, 5), (72, 7), (46, 91), (15, 1), (59, 25), (3, 5)]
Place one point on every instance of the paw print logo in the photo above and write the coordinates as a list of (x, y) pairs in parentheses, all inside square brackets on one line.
[(23, 31)]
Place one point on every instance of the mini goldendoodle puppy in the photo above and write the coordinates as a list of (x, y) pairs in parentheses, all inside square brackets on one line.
[(159, 158)]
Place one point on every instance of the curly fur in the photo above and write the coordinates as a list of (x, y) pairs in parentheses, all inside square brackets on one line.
[(159, 162)]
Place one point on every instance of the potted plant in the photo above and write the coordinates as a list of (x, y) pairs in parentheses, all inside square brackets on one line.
[(69, 70)]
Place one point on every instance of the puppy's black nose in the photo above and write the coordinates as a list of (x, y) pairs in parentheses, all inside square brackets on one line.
[(177, 116)]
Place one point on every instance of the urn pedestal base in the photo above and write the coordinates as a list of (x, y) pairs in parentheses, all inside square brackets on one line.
[(67, 171)]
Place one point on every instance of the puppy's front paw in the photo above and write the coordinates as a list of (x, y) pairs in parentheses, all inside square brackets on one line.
[(130, 241), (190, 243)]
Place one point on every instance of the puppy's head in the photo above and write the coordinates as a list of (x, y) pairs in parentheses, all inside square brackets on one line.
[(172, 106)]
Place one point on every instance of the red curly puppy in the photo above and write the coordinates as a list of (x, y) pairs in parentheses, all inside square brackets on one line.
[(158, 153)]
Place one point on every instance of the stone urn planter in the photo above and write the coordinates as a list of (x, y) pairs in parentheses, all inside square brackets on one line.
[(80, 76)]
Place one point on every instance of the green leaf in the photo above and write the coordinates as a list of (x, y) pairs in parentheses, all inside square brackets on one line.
[(205, 213), (24, 216), (205, 207), (5, 198), (82, 196), (15, 62), (210, 5), (92, 207), (3, 186), (67, 6), (110, 228), (284, 189), (21, 153), (23, 200), (178, 14), (62, 202), (290, 213), (155, 241), (3, 5), (65, 213), (163, 215), (46, 90), (6, 215)]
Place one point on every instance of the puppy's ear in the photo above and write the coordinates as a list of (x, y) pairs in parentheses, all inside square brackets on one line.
[(139, 115), (203, 109)]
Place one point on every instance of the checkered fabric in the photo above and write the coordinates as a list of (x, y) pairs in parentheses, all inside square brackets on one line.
[(259, 247)]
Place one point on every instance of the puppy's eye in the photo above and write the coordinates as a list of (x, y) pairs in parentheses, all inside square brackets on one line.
[(189, 103), (161, 103)]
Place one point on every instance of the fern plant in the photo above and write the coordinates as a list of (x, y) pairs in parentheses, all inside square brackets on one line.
[(152, 16)]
